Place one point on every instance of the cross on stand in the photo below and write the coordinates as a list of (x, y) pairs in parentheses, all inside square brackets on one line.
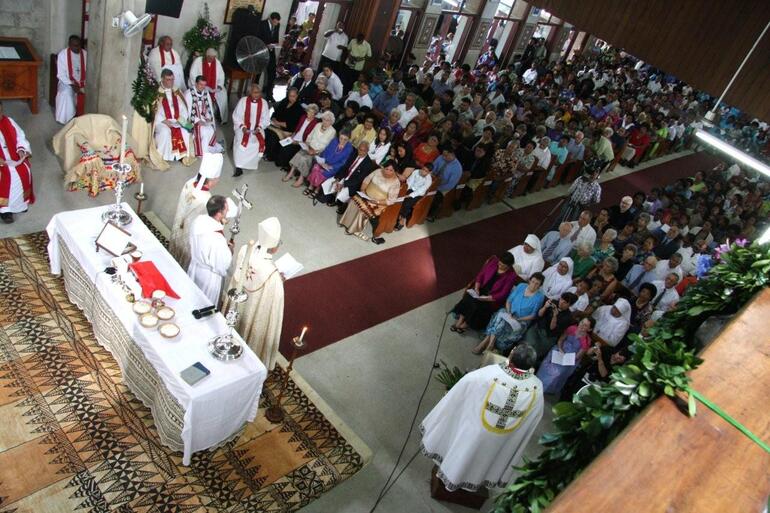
[(240, 198)]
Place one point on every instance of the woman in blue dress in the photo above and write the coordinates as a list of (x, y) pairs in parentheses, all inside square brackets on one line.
[(331, 161), (508, 324), (575, 340)]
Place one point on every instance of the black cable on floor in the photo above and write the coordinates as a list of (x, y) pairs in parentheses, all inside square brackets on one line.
[(388, 484)]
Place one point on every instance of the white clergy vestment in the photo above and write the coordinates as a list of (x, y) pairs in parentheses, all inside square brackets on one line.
[(170, 60), (191, 204), (204, 125), (210, 256), (480, 428), (65, 95), (217, 89), (163, 133), (262, 315), (248, 157), (16, 201)]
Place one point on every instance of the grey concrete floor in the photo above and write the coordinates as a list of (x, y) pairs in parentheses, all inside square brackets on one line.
[(372, 380)]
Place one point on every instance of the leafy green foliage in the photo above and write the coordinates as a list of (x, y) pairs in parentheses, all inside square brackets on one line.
[(203, 35), (449, 377), (658, 365), (145, 92)]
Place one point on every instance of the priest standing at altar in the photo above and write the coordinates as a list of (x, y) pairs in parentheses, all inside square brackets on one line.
[(211, 69), (16, 193), (192, 203), (171, 119), (71, 72), (262, 315), (250, 119), (478, 431), (163, 57), (210, 252), (202, 118)]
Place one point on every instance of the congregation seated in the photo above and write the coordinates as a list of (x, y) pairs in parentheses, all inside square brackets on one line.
[(316, 142), (574, 340), (380, 189)]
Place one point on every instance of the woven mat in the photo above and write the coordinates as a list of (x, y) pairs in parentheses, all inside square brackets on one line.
[(73, 438)]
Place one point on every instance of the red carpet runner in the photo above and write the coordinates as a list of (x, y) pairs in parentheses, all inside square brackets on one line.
[(347, 298)]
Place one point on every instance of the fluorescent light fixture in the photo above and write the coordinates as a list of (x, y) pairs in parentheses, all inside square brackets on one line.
[(741, 156)]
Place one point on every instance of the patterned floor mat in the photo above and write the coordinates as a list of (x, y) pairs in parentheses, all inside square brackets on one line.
[(74, 439)]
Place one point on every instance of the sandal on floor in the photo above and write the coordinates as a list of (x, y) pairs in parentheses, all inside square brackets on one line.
[(453, 328), (459, 330), (306, 192), (287, 177), (362, 236), (477, 353)]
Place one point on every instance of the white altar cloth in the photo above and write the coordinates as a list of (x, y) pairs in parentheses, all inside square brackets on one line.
[(215, 408)]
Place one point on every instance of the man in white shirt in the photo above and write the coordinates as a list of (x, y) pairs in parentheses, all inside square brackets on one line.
[(333, 82), (556, 245), (210, 252), (336, 42), (251, 118), (542, 153), (408, 110), (530, 75), (163, 57), (71, 72), (582, 231), (211, 69), (667, 297), (666, 267), (417, 184), (361, 97), (171, 120)]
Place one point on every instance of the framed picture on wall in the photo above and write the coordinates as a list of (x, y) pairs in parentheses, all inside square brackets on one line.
[(232, 5), (426, 33), (481, 35)]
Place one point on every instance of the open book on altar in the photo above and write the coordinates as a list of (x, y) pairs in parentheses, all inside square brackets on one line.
[(288, 266)]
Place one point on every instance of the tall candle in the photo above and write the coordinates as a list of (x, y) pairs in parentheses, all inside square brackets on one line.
[(302, 335), (246, 262), (141, 189), (123, 131)]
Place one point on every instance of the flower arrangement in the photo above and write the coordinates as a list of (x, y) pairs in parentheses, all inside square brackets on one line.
[(145, 92), (203, 35)]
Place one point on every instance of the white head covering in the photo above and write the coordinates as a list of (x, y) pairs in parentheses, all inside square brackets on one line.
[(269, 234), (556, 284), (232, 208), (526, 264), (211, 167), (610, 328)]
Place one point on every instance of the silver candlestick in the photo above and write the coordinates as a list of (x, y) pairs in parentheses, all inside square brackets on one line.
[(225, 347), (115, 212)]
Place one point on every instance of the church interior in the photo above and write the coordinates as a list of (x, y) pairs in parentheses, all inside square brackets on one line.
[(412, 361)]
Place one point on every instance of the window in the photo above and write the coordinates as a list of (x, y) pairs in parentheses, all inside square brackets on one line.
[(414, 3), (519, 10), (472, 6)]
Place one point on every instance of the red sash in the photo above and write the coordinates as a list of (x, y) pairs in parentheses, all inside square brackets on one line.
[(9, 134), (247, 124), (163, 57), (209, 72), (177, 141), (308, 128), (80, 102)]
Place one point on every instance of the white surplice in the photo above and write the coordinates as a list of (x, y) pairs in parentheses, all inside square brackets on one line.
[(248, 157), (16, 201), (191, 204), (204, 124), (163, 132), (262, 315), (218, 88), (65, 95), (210, 256), (480, 428), (172, 62)]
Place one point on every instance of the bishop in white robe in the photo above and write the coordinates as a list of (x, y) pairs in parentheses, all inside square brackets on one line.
[(16, 192), (172, 139), (211, 69), (210, 252), (262, 315), (250, 119), (204, 125), (478, 431), (192, 203), (71, 89), (163, 57)]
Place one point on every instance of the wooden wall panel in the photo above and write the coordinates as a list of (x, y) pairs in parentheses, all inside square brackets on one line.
[(700, 41)]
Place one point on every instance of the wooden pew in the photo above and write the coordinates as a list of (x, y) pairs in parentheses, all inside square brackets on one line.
[(618, 155), (572, 171), (502, 187), (521, 186), (422, 207), (389, 217), (447, 206), (557, 176), (480, 193), (538, 179)]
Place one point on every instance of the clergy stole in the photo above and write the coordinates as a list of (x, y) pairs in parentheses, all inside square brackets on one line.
[(309, 128), (177, 141), (247, 124), (209, 72), (200, 109), (80, 98), (9, 134), (163, 58)]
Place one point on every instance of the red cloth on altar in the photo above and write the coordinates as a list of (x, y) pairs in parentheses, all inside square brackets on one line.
[(150, 279)]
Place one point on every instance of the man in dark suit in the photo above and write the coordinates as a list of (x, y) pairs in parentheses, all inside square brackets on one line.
[(348, 180), (268, 32), (670, 243), (305, 86)]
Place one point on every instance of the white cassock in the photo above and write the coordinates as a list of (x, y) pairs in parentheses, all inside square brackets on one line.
[(192, 203), (248, 150), (261, 317), (161, 59), (16, 191), (480, 428), (215, 82), (210, 256), (173, 143), (66, 99), (204, 134)]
